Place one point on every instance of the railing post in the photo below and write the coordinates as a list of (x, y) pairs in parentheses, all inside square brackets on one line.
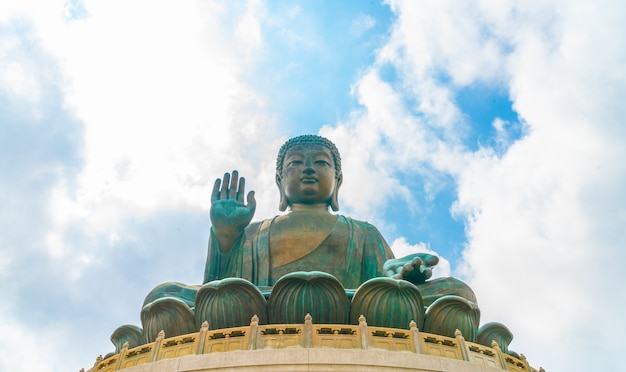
[(202, 337), (254, 333), (98, 360), (526, 365), (121, 356), (462, 345), (308, 331), (364, 332), (499, 355), (415, 334), (157, 346)]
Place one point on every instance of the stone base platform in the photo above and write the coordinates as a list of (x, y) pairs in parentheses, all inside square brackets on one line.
[(305, 359)]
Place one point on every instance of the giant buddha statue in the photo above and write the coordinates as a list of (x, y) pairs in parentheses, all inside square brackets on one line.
[(309, 264), (307, 237)]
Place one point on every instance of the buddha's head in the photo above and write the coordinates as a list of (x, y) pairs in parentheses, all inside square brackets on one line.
[(308, 171)]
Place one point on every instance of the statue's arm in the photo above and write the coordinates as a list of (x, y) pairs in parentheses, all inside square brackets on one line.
[(229, 214), (220, 264), (229, 218), (236, 262), (375, 253)]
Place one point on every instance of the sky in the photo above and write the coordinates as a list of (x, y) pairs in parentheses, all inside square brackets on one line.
[(490, 132)]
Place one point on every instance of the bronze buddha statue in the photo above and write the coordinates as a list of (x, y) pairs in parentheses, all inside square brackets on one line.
[(307, 242), (308, 237)]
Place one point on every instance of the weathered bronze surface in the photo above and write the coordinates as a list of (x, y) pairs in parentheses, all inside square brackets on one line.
[(168, 314), (387, 302), (450, 313), (497, 332), (308, 237), (229, 302), (127, 333)]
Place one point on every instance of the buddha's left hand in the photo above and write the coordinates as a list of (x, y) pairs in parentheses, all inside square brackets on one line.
[(415, 268)]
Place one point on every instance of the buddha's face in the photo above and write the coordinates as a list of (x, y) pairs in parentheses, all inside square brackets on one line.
[(308, 175)]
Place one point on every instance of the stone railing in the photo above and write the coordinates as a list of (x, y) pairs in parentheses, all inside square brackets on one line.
[(308, 335)]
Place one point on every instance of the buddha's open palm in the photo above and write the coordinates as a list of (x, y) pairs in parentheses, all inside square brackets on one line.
[(229, 213)]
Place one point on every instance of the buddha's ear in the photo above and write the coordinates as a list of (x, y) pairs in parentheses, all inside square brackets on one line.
[(282, 204), (334, 199)]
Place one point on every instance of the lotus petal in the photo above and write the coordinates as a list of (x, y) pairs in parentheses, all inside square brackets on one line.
[(299, 293), (497, 332), (229, 302), (449, 313), (127, 333), (169, 314), (387, 302)]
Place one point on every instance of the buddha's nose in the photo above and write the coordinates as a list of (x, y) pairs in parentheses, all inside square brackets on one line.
[(308, 166)]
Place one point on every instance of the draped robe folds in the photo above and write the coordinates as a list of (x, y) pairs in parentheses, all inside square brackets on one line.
[(352, 261)]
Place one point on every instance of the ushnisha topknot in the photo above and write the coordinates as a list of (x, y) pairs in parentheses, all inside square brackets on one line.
[(309, 139)]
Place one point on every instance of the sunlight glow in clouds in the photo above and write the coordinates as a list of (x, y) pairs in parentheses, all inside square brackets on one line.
[(139, 159)]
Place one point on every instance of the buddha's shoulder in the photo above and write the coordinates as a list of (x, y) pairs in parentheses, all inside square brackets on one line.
[(357, 224)]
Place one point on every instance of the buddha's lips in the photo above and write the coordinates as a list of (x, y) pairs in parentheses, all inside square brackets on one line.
[(308, 180)]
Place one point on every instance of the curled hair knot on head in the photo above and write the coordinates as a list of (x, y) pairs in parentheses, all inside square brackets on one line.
[(308, 139)]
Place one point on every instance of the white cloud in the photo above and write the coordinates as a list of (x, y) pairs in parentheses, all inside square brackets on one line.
[(16, 78), (249, 28), (543, 226), (162, 106), (18, 354), (382, 142), (543, 221), (157, 90)]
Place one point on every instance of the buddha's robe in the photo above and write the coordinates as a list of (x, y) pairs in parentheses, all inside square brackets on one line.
[(354, 251)]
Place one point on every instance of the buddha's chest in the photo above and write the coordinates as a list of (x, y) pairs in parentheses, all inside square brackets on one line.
[(293, 237)]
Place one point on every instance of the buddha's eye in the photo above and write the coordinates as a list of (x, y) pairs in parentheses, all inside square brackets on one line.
[(322, 162), (295, 163)]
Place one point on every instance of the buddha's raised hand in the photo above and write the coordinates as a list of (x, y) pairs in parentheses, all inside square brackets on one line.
[(415, 268), (229, 214)]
